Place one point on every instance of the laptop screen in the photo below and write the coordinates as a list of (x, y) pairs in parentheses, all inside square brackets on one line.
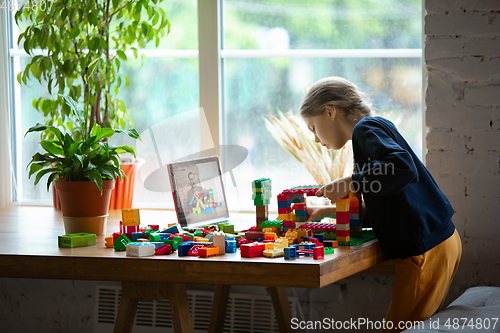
[(198, 190)]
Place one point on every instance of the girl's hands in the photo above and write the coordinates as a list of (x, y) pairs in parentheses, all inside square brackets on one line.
[(336, 190), (318, 213)]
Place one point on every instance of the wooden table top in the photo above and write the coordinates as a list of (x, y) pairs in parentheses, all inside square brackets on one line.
[(28, 249)]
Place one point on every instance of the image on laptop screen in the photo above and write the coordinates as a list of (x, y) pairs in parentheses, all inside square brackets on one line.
[(198, 190)]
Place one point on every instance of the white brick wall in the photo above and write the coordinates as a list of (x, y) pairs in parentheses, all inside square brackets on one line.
[(462, 56)]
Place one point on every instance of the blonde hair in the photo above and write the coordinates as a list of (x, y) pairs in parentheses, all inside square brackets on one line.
[(337, 92)]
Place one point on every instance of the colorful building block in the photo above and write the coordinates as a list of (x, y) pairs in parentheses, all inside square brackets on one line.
[(290, 253), (274, 253), (120, 244), (219, 241), (163, 250), (77, 240), (230, 245), (140, 249), (131, 217), (208, 251)]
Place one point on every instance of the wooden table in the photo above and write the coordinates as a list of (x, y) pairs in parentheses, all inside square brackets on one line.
[(29, 250)]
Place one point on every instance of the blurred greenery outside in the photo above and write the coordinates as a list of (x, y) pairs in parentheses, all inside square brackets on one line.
[(254, 87)]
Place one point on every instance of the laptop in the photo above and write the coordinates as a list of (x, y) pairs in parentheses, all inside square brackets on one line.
[(199, 194)]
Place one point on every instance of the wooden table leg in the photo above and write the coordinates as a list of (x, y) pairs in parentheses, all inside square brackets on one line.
[(179, 307), (281, 308), (126, 315), (219, 308), (132, 292)]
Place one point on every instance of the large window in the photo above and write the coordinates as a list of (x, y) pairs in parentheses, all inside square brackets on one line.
[(270, 52)]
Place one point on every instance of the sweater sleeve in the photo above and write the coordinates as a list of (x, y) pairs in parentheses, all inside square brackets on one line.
[(390, 168)]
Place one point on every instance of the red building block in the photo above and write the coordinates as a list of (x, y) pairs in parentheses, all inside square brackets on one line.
[(343, 233), (318, 252), (254, 235), (165, 249), (116, 235), (283, 197), (252, 250), (284, 210), (194, 250)]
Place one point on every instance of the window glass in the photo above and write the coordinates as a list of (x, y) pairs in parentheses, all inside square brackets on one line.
[(322, 24), (162, 90), (257, 87)]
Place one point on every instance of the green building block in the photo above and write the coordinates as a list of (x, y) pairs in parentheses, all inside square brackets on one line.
[(228, 228), (330, 236), (366, 235), (198, 233), (154, 237), (191, 236), (148, 232), (261, 183), (77, 240), (275, 224), (257, 202), (329, 250), (261, 196), (121, 242), (171, 243)]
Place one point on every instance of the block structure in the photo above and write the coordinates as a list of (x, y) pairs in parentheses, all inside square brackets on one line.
[(342, 218), (261, 196)]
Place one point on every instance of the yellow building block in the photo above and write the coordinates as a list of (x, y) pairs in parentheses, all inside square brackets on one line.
[(301, 233), (342, 208), (108, 241), (131, 217), (343, 239), (281, 243), (270, 236), (268, 246), (284, 217)]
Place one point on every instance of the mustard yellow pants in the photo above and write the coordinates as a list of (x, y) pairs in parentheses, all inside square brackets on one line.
[(422, 283)]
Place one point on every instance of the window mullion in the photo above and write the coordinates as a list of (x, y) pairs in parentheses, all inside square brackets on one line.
[(209, 70)]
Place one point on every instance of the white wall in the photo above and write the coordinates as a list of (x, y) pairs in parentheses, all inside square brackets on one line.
[(462, 52)]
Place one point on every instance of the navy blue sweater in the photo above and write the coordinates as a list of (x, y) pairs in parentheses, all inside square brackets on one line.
[(408, 212)]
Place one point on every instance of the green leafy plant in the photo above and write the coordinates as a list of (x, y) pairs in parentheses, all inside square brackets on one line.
[(84, 43), (89, 159)]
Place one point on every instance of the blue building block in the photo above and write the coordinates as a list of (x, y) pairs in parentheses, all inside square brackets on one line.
[(290, 253), (260, 240), (301, 212), (283, 204), (184, 247), (176, 229), (320, 237), (157, 244), (136, 236), (230, 245)]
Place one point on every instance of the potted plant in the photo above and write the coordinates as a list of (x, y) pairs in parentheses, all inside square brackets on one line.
[(84, 44), (84, 170)]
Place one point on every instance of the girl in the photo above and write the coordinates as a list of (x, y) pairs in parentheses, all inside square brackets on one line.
[(409, 214)]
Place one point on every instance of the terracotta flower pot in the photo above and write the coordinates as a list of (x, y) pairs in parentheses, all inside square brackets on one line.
[(123, 193), (83, 207)]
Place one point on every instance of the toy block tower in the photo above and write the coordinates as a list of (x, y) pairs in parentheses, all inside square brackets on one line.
[(355, 214), (261, 196), (342, 218)]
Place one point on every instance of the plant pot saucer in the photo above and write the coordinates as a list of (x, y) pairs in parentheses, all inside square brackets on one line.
[(92, 225)]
